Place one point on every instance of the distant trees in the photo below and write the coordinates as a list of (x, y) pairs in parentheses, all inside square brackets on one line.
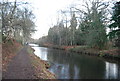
[(115, 25), (63, 35), (57, 34), (73, 25), (88, 26), (17, 20)]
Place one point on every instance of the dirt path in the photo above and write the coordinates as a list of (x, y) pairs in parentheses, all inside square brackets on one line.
[(20, 67)]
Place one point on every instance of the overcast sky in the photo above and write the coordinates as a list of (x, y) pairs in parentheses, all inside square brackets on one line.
[(46, 13)]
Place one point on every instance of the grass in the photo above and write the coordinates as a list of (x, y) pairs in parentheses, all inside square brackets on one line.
[(84, 49), (111, 52)]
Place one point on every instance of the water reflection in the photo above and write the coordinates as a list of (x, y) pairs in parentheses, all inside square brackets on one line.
[(76, 70), (73, 66), (60, 70), (34, 45), (111, 70), (41, 52)]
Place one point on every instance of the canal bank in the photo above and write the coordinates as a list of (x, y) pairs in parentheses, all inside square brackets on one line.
[(40, 66), (112, 54), (9, 50)]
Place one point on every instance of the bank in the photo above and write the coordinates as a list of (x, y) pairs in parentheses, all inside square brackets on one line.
[(40, 66), (11, 54), (10, 48), (113, 54)]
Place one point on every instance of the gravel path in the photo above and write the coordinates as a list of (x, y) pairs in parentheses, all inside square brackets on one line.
[(20, 67)]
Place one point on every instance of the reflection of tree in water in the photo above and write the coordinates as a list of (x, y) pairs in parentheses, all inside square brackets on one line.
[(112, 70), (58, 56), (92, 68), (88, 67)]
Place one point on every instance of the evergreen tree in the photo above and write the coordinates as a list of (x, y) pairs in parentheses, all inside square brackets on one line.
[(115, 26), (93, 26)]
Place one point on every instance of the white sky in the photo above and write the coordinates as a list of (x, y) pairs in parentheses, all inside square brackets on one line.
[(46, 13)]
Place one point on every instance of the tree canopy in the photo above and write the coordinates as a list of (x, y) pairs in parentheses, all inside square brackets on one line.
[(17, 20), (115, 25)]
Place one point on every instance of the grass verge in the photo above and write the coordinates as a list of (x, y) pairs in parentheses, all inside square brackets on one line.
[(113, 53), (40, 66), (109, 53)]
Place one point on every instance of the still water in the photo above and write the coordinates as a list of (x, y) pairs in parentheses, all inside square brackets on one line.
[(73, 66)]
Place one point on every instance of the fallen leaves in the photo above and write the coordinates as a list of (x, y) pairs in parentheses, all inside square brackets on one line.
[(41, 68), (8, 52)]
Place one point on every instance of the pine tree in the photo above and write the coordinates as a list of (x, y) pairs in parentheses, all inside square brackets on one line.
[(115, 26)]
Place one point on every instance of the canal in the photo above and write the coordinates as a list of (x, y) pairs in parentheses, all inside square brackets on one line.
[(66, 65)]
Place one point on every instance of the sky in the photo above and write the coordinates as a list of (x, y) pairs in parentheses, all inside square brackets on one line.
[(46, 13)]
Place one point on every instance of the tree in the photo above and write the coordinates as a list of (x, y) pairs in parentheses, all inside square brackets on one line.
[(73, 25), (115, 26), (7, 13), (91, 30), (93, 25), (17, 20), (28, 25)]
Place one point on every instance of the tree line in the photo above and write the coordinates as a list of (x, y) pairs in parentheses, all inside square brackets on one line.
[(88, 26), (17, 20)]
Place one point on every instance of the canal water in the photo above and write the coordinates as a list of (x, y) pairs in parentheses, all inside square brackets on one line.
[(67, 65)]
